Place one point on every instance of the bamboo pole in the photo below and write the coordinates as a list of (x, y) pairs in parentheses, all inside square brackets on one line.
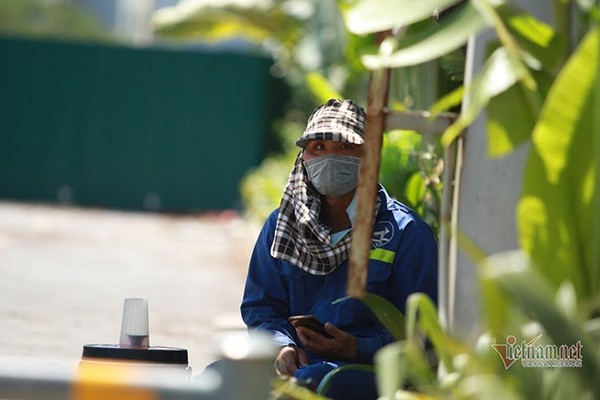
[(368, 181)]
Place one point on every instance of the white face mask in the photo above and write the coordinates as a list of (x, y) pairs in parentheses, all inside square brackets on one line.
[(333, 175)]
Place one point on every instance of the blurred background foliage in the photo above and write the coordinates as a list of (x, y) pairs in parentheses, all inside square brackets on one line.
[(317, 57), (320, 59), (50, 19)]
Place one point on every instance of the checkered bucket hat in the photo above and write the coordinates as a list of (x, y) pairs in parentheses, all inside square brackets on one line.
[(335, 120)]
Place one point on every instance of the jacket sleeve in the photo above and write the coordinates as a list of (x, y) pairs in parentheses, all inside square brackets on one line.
[(265, 304), (412, 269), (415, 265)]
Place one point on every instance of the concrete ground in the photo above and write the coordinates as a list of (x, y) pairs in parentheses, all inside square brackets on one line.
[(65, 272)]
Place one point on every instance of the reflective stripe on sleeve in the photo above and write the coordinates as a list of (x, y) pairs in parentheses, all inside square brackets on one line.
[(387, 256)]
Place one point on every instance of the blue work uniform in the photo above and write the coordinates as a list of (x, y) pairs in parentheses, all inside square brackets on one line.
[(403, 260)]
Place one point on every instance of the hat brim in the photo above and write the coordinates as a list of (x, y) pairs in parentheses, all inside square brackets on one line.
[(346, 137)]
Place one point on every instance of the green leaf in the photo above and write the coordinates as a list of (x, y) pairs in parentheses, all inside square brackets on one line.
[(328, 378), (566, 298), (370, 16), (519, 58), (527, 291), (500, 72), (441, 38), (592, 328), (558, 208), (487, 386), (591, 185), (546, 232), (386, 312), (288, 389), (415, 189), (554, 219), (397, 161), (450, 100), (421, 313), (391, 367), (537, 39), (562, 110), (508, 126), (532, 29), (500, 314)]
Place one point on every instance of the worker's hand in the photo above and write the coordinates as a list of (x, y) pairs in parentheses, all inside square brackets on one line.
[(341, 347), (289, 359)]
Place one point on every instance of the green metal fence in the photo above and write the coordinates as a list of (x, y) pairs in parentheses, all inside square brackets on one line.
[(131, 128)]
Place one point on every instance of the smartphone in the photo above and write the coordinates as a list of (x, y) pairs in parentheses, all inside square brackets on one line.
[(311, 322)]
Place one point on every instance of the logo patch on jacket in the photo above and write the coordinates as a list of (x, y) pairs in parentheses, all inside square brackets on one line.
[(383, 232)]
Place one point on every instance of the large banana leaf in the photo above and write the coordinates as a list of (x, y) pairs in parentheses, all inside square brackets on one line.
[(370, 16), (538, 39), (526, 44), (509, 126), (561, 113), (437, 40), (558, 212), (499, 73)]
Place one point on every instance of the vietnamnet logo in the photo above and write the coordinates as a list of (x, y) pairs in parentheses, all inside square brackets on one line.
[(540, 356)]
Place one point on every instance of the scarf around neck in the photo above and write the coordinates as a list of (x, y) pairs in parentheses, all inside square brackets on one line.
[(300, 237)]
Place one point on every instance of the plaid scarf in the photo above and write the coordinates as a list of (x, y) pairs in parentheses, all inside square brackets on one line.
[(300, 237)]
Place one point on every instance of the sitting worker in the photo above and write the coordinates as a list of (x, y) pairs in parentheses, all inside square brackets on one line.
[(300, 261)]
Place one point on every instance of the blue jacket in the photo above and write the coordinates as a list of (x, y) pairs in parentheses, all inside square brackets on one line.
[(403, 261)]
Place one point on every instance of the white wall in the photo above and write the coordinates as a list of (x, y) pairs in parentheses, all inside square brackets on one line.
[(489, 192)]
